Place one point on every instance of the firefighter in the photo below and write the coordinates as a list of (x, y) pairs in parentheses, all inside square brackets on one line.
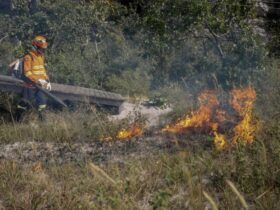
[(34, 71)]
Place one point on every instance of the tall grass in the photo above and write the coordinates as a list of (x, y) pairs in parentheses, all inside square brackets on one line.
[(193, 180), (78, 126)]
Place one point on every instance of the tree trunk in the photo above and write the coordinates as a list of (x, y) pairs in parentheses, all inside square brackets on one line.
[(33, 5)]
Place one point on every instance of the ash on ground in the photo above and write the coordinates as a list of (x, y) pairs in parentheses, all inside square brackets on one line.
[(117, 151)]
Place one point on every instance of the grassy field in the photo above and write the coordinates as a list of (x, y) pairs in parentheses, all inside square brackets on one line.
[(188, 177), (246, 177)]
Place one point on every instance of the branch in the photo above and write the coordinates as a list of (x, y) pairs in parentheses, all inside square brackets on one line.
[(218, 46), (4, 37)]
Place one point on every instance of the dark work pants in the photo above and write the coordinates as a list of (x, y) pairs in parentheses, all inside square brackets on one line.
[(32, 97)]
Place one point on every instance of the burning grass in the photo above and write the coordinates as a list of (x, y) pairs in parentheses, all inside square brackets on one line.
[(125, 134), (134, 131), (211, 118), (228, 120)]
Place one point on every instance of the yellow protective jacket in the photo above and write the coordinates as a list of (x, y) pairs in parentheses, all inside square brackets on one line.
[(34, 66)]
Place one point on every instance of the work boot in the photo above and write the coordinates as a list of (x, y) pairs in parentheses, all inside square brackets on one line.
[(42, 112), (19, 113), (42, 116)]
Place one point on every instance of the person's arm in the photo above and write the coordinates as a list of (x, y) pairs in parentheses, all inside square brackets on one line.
[(48, 85), (46, 70), (27, 67)]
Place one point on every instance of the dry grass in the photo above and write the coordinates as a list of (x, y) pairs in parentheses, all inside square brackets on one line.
[(238, 194), (211, 200), (65, 126), (196, 179), (178, 181)]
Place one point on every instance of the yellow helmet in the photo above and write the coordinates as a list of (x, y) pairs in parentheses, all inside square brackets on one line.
[(40, 41)]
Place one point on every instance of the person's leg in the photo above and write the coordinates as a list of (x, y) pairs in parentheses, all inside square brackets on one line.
[(41, 102), (24, 103)]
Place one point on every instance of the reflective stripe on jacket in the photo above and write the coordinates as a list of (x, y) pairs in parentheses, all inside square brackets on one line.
[(34, 66)]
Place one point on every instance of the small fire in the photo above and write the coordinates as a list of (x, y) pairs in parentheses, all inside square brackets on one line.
[(202, 117), (229, 123), (243, 102), (134, 131), (219, 139), (125, 134), (210, 116)]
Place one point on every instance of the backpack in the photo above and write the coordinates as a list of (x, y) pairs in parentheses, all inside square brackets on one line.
[(16, 68)]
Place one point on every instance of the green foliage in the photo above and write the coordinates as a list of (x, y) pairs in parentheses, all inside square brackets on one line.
[(191, 39), (268, 102), (130, 83), (273, 28), (171, 41)]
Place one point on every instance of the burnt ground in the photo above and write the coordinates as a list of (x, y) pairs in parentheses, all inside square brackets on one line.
[(97, 151), (49, 152)]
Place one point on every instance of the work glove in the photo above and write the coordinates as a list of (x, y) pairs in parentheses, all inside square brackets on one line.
[(45, 84), (48, 86), (42, 82)]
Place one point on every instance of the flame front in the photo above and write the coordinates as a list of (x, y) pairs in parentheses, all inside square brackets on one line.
[(243, 102), (213, 119), (210, 116), (202, 117)]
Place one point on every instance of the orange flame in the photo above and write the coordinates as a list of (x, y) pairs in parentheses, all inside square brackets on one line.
[(219, 139), (208, 101), (210, 118), (210, 115), (123, 134), (243, 102)]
